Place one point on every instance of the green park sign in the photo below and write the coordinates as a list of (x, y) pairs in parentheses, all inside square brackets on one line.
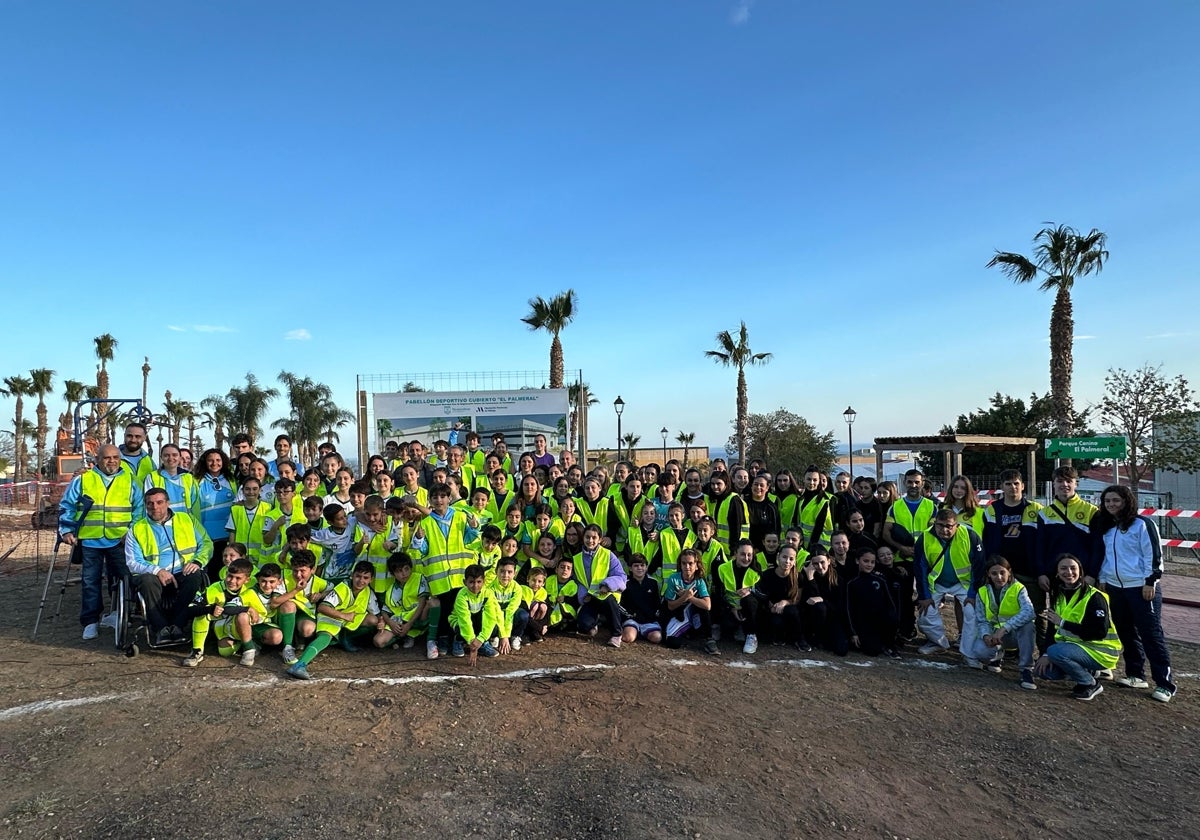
[(1085, 447)]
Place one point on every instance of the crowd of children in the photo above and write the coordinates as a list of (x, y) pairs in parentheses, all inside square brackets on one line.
[(474, 555)]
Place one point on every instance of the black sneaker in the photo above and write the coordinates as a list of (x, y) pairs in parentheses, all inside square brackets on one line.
[(1087, 692)]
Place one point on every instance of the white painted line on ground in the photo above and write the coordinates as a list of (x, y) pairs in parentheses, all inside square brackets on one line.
[(57, 705), (442, 678)]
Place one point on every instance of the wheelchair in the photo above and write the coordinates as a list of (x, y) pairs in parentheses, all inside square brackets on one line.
[(133, 633)]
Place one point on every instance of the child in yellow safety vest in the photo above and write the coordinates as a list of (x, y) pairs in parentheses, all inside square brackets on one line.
[(536, 603), (221, 608), (297, 598), (348, 609), (561, 595), (406, 604), (475, 617)]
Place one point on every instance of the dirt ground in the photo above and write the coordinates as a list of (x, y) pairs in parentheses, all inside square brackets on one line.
[(639, 742)]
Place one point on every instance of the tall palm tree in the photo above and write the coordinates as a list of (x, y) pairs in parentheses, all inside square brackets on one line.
[(73, 392), (736, 353), (553, 316), (216, 418), (313, 414), (106, 345), (176, 413), (248, 405), (1061, 255), (687, 439), (574, 395), (19, 387), (43, 383)]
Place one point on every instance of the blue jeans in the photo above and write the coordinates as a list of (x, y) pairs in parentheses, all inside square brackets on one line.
[(1070, 661), (96, 563), (1139, 626), (520, 621)]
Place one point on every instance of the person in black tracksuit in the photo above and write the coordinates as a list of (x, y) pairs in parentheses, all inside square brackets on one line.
[(870, 611)]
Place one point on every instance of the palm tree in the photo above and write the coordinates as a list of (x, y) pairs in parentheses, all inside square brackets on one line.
[(574, 395), (43, 383), (176, 413), (553, 316), (313, 416), (217, 418), (1061, 255), (631, 440), (19, 387), (247, 405), (737, 354), (73, 392), (105, 346), (687, 439)]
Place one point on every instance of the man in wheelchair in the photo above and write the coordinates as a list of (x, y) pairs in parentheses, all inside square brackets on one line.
[(166, 552)]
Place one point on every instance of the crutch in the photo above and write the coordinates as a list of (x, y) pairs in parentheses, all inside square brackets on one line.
[(85, 505)]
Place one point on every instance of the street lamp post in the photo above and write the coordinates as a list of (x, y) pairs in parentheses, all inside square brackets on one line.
[(850, 414), (618, 406), (663, 431)]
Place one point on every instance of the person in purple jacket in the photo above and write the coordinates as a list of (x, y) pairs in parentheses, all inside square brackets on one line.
[(601, 579)]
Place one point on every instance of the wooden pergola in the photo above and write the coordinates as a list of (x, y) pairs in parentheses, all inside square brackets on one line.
[(952, 448)]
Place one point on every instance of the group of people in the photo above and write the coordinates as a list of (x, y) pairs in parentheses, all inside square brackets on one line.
[(479, 554)]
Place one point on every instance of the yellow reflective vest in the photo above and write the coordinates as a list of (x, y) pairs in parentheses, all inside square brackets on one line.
[(111, 513)]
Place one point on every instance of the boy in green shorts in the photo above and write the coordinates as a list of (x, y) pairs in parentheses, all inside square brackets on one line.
[(264, 626), (350, 609), (475, 617), (220, 608), (407, 606), (296, 604)]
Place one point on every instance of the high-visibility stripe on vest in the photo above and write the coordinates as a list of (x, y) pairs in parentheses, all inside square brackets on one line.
[(377, 553), (721, 514), (638, 544), (447, 556), (996, 614), (594, 513), (296, 517), (1106, 651), (182, 538), (111, 513), (787, 511), (402, 601), (913, 523), (249, 531), (807, 515), (348, 601), (601, 561), (190, 503), (625, 515), (959, 551), (729, 580), (670, 548)]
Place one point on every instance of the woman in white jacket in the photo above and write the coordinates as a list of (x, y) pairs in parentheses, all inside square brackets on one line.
[(1130, 574)]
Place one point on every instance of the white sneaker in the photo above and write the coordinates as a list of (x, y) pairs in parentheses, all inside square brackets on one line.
[(289, 655), (408, 642), (248, 657), (90, 632), (751, 645), (972, 662), (431, 650), (515, 641), (109, 620), (1104, 674), (1132, 682)]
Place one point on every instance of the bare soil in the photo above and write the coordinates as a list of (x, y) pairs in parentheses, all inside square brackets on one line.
[(654, 744)]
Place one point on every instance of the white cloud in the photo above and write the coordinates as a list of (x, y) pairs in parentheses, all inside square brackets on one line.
[(297, 335), (174, 328), (211, 328), (1171, 335), (740, 14)]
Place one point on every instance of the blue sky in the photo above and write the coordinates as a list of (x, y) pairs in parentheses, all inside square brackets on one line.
[(380, 187)]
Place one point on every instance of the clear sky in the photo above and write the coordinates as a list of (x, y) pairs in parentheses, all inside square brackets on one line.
[(335, 189)]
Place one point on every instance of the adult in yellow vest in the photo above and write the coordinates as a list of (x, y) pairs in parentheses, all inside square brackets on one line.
[(908, 517), (1082, 640), (133, 457), (814, 512), (181, 487), (167, 551), (97, 510), (948, 563)]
